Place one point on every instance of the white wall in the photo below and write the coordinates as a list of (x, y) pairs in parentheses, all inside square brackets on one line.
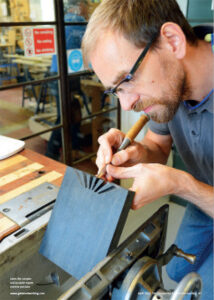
[(42, 10), (47, 8), (183, 5)]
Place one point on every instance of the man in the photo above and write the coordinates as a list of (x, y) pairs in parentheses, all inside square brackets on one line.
[(172, 81)]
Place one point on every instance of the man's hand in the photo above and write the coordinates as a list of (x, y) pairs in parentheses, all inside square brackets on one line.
[(153, 149), (109, 143), (151, 181)]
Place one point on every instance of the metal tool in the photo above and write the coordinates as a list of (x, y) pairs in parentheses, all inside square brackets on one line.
[(108, 274), (130, 136), (133, 270), (144, 282), (30, 205)]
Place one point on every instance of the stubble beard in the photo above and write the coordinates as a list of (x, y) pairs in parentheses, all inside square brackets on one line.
[(168, 104)]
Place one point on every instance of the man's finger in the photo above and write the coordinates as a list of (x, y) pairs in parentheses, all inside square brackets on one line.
[(120, 158), (100, 160), (113, 138), (105, 152), (123, 156), (123, 173)]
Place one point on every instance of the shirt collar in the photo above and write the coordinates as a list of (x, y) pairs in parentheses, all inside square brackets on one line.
[(207, 105)]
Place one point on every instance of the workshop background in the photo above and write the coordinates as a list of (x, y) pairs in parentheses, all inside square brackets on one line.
[(60, 110)]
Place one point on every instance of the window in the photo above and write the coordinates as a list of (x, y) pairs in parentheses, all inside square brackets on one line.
[(47, 98)]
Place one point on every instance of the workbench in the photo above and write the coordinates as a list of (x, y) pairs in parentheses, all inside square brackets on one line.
[(20, 260), (19, 174)]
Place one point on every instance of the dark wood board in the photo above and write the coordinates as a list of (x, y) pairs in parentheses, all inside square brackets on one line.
[(86, 222)]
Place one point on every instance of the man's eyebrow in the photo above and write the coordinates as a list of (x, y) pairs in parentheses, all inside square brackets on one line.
[(117, 79)]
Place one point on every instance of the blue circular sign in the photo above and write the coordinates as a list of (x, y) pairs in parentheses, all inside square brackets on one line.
[(75, 60)]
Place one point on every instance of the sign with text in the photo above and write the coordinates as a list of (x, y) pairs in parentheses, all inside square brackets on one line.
[(75, 60), (39, 41)]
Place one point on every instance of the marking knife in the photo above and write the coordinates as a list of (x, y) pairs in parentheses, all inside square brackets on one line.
[(129, 137)]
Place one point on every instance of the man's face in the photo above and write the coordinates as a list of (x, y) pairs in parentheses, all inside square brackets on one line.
[(158, 85)]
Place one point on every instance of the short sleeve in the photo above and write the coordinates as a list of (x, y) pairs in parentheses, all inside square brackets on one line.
[(159, 128)]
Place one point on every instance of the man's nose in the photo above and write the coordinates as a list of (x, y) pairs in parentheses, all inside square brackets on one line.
[(128, 100)]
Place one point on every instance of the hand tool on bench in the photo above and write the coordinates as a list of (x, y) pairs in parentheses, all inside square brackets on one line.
[(86, 222), (129, 137)]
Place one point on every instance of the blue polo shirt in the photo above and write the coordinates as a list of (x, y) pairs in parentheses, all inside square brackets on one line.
[(192, 133)]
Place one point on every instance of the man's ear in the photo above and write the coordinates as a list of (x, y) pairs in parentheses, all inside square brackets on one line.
[(174, 39)]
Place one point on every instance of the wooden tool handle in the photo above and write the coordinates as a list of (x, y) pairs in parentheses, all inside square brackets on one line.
[(133, 132), (130, 136)]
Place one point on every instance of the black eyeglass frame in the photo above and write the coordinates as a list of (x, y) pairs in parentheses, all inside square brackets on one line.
[(128, 77)]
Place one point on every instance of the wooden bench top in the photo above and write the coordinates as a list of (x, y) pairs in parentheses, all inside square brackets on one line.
[(21, 173)]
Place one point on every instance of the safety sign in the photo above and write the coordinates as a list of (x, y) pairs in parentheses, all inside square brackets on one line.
[(75, 60), (39, 41)]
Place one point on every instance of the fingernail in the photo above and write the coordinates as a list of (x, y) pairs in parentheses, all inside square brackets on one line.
[(107, 159)]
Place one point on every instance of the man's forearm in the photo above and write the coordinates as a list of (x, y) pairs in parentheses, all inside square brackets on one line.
[(193, 190), (157, 148), (153, 153)]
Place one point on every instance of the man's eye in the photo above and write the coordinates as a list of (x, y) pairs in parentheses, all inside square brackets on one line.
[(119, 90), (128, 84)]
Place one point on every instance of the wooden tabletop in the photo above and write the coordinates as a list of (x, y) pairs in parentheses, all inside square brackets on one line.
[(43, 66), (2, 45), (47, 59), (21, 173)]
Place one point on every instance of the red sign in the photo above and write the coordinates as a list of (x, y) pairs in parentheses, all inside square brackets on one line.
[(44, 40)]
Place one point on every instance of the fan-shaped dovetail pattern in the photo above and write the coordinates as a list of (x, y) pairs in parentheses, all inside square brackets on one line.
[(103, 183), (90, 181), (106, 189), (79, 177), (95, 181), (85, 179)]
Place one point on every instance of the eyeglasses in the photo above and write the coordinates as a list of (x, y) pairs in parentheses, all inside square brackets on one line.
[(113, 91)]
